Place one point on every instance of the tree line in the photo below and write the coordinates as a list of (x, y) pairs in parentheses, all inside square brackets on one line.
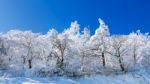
[(74, 52)]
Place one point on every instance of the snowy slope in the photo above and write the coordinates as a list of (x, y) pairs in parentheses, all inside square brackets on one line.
[(120, 79)]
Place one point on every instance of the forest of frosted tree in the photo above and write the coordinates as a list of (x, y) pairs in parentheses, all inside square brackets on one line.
[(74, 53)]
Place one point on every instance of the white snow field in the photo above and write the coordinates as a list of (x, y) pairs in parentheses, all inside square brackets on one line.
[(113, 79)]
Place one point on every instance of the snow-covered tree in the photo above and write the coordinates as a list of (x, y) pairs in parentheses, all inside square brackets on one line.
[(99, 41), (73, 53), (119, 49), (135, 43), (3, 53)]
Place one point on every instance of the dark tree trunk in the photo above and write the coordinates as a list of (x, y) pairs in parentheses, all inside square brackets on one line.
[(60, 61), (134, 56), (134, 59), (30, 64), (103, 60), (121, 65)]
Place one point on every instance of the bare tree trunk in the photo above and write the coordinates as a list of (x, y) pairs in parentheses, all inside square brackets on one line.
[(30, 60), (120, 63), (103, 60), (30, 63), (134, 56), (61, 60), (134, 59)]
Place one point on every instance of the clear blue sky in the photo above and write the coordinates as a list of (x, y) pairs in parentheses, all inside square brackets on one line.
[(122, 16)]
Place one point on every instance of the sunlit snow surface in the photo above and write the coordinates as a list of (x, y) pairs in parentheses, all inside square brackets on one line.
[(120, 79)]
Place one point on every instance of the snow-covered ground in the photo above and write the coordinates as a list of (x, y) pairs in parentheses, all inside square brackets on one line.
[(113, 79), (138, 77)]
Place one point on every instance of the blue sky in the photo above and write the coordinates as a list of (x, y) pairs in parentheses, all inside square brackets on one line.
[(122, 16)]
